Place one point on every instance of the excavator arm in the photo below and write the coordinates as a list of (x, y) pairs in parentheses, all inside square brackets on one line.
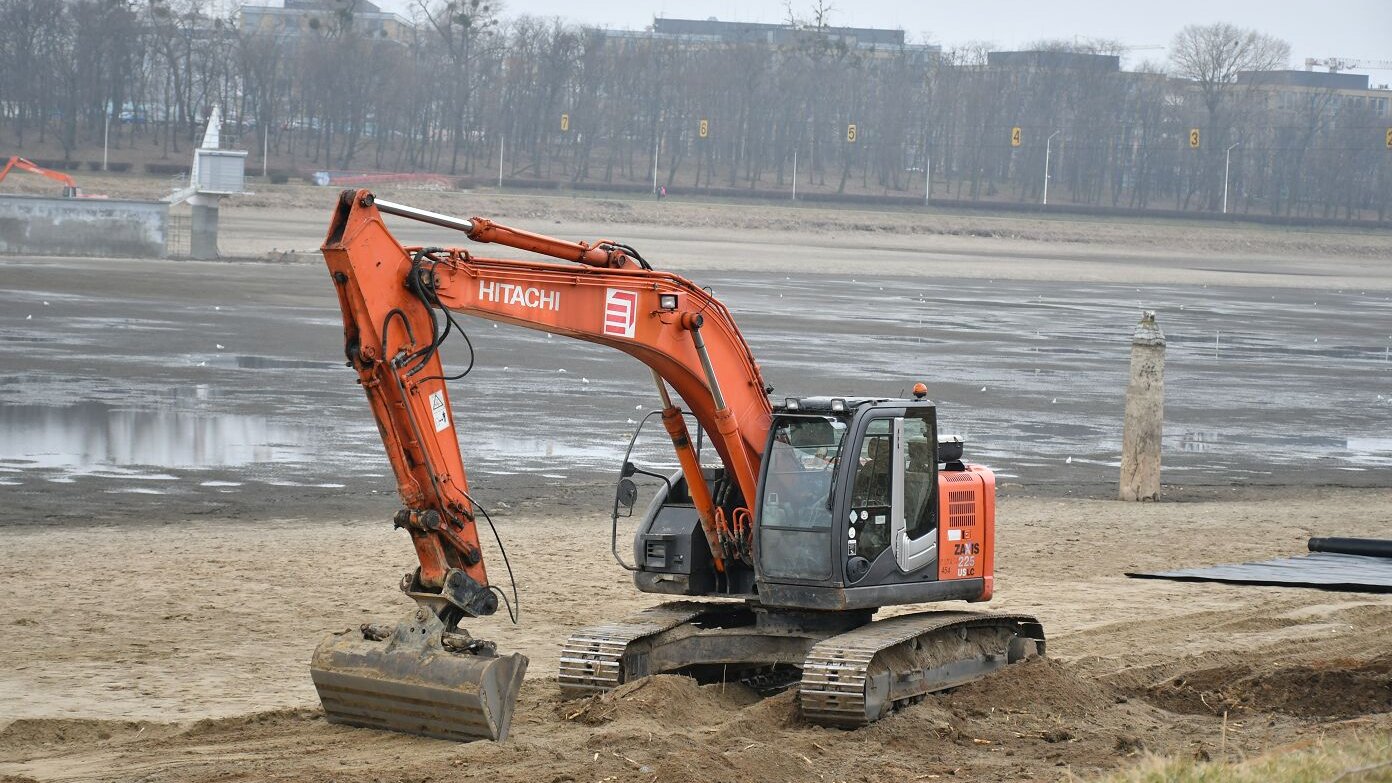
[(24, 164), (389, 295), (397, 305)]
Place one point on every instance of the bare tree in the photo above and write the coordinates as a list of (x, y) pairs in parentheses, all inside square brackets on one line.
[(31, 33), (345, 86), (459, 24), (1212, 56)]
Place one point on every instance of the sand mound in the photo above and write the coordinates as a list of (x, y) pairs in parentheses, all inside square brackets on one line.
[(1331, 689), (31, 734), (214, 727), (765, 716), (664, 699), (1024, 722), (1043, 685)]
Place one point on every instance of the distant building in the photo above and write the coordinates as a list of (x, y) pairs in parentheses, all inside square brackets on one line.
[(714, 30), (297, 18), (1313, 79), (705, 33), (1297, 91), (1054, 60)]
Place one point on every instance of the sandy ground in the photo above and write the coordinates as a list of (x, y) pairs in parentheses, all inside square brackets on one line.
[(155, 632), (277, 219), (815, 239), (172, 652)]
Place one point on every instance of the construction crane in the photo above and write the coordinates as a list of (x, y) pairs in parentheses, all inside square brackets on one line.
[(1101, 46), (1337, 64), (800, 520)]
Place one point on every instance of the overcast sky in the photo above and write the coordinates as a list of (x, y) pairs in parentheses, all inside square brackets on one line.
[(1331, 28)]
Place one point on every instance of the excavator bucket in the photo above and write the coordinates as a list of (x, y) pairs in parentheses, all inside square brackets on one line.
[(418, 679)]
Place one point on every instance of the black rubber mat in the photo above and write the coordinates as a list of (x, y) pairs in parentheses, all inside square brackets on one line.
[(1319, 570)]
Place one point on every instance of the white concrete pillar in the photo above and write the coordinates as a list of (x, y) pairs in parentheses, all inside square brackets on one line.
[(1145, 413), (203, 227)]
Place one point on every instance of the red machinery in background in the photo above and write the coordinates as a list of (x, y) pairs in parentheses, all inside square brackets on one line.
[(70, 189)]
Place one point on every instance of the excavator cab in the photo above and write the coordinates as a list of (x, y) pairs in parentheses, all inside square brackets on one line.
[(836, 492), (853, 497)]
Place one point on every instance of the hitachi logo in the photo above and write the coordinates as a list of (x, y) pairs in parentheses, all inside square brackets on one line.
[(522, 296)]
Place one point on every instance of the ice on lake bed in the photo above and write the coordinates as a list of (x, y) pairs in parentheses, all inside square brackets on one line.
[(98, 439)]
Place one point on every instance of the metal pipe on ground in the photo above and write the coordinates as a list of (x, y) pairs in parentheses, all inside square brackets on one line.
[(1370, 547)]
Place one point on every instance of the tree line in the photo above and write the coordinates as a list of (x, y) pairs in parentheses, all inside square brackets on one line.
[(476, 95)]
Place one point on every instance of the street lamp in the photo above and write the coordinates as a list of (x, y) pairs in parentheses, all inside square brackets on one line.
[(1047, 142), (927, 169), (106, 134), (1227, 165)]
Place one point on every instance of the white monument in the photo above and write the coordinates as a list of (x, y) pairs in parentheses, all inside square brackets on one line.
[(216, 173)]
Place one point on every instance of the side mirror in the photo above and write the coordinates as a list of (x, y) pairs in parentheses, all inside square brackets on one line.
[(628, 491)]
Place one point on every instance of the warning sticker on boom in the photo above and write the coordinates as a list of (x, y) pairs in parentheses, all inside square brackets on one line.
[(438, 410)]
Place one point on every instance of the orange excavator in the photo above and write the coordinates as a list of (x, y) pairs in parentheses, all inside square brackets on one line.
[(812, 513), (70, 189)]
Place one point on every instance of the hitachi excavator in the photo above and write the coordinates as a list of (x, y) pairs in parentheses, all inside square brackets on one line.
[(813, 513)]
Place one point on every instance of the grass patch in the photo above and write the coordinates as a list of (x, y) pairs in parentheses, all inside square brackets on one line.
[(1357, 759)]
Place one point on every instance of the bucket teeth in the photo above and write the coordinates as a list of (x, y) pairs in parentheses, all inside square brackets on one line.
[(410, 681)]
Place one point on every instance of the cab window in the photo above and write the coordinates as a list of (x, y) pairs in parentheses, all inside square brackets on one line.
[(920, 477), (795, 519), (872, 492)]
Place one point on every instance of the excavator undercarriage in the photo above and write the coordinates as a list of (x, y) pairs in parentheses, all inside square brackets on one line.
[(849, 671)]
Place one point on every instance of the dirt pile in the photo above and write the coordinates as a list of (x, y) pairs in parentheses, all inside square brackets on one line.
[(229, 698), (665, 700), (48, 732), (1034, 685), (1329, 689), (1043, 719)]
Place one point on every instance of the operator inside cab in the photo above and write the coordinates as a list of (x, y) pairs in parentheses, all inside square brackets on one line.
[(873, 491), (801, 471), (804, 459), (871, 501)]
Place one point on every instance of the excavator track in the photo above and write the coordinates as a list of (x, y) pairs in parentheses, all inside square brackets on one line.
[(855, 678), (848, 679), (592, 659)]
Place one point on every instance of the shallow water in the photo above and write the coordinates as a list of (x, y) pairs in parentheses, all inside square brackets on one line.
[(1266, 385)]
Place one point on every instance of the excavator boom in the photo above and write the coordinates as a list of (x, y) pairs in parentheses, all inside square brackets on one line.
[(70, 189)]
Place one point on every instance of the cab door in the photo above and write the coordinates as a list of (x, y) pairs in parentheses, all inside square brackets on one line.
[(891, 499), (872, 497), (913, 534)]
